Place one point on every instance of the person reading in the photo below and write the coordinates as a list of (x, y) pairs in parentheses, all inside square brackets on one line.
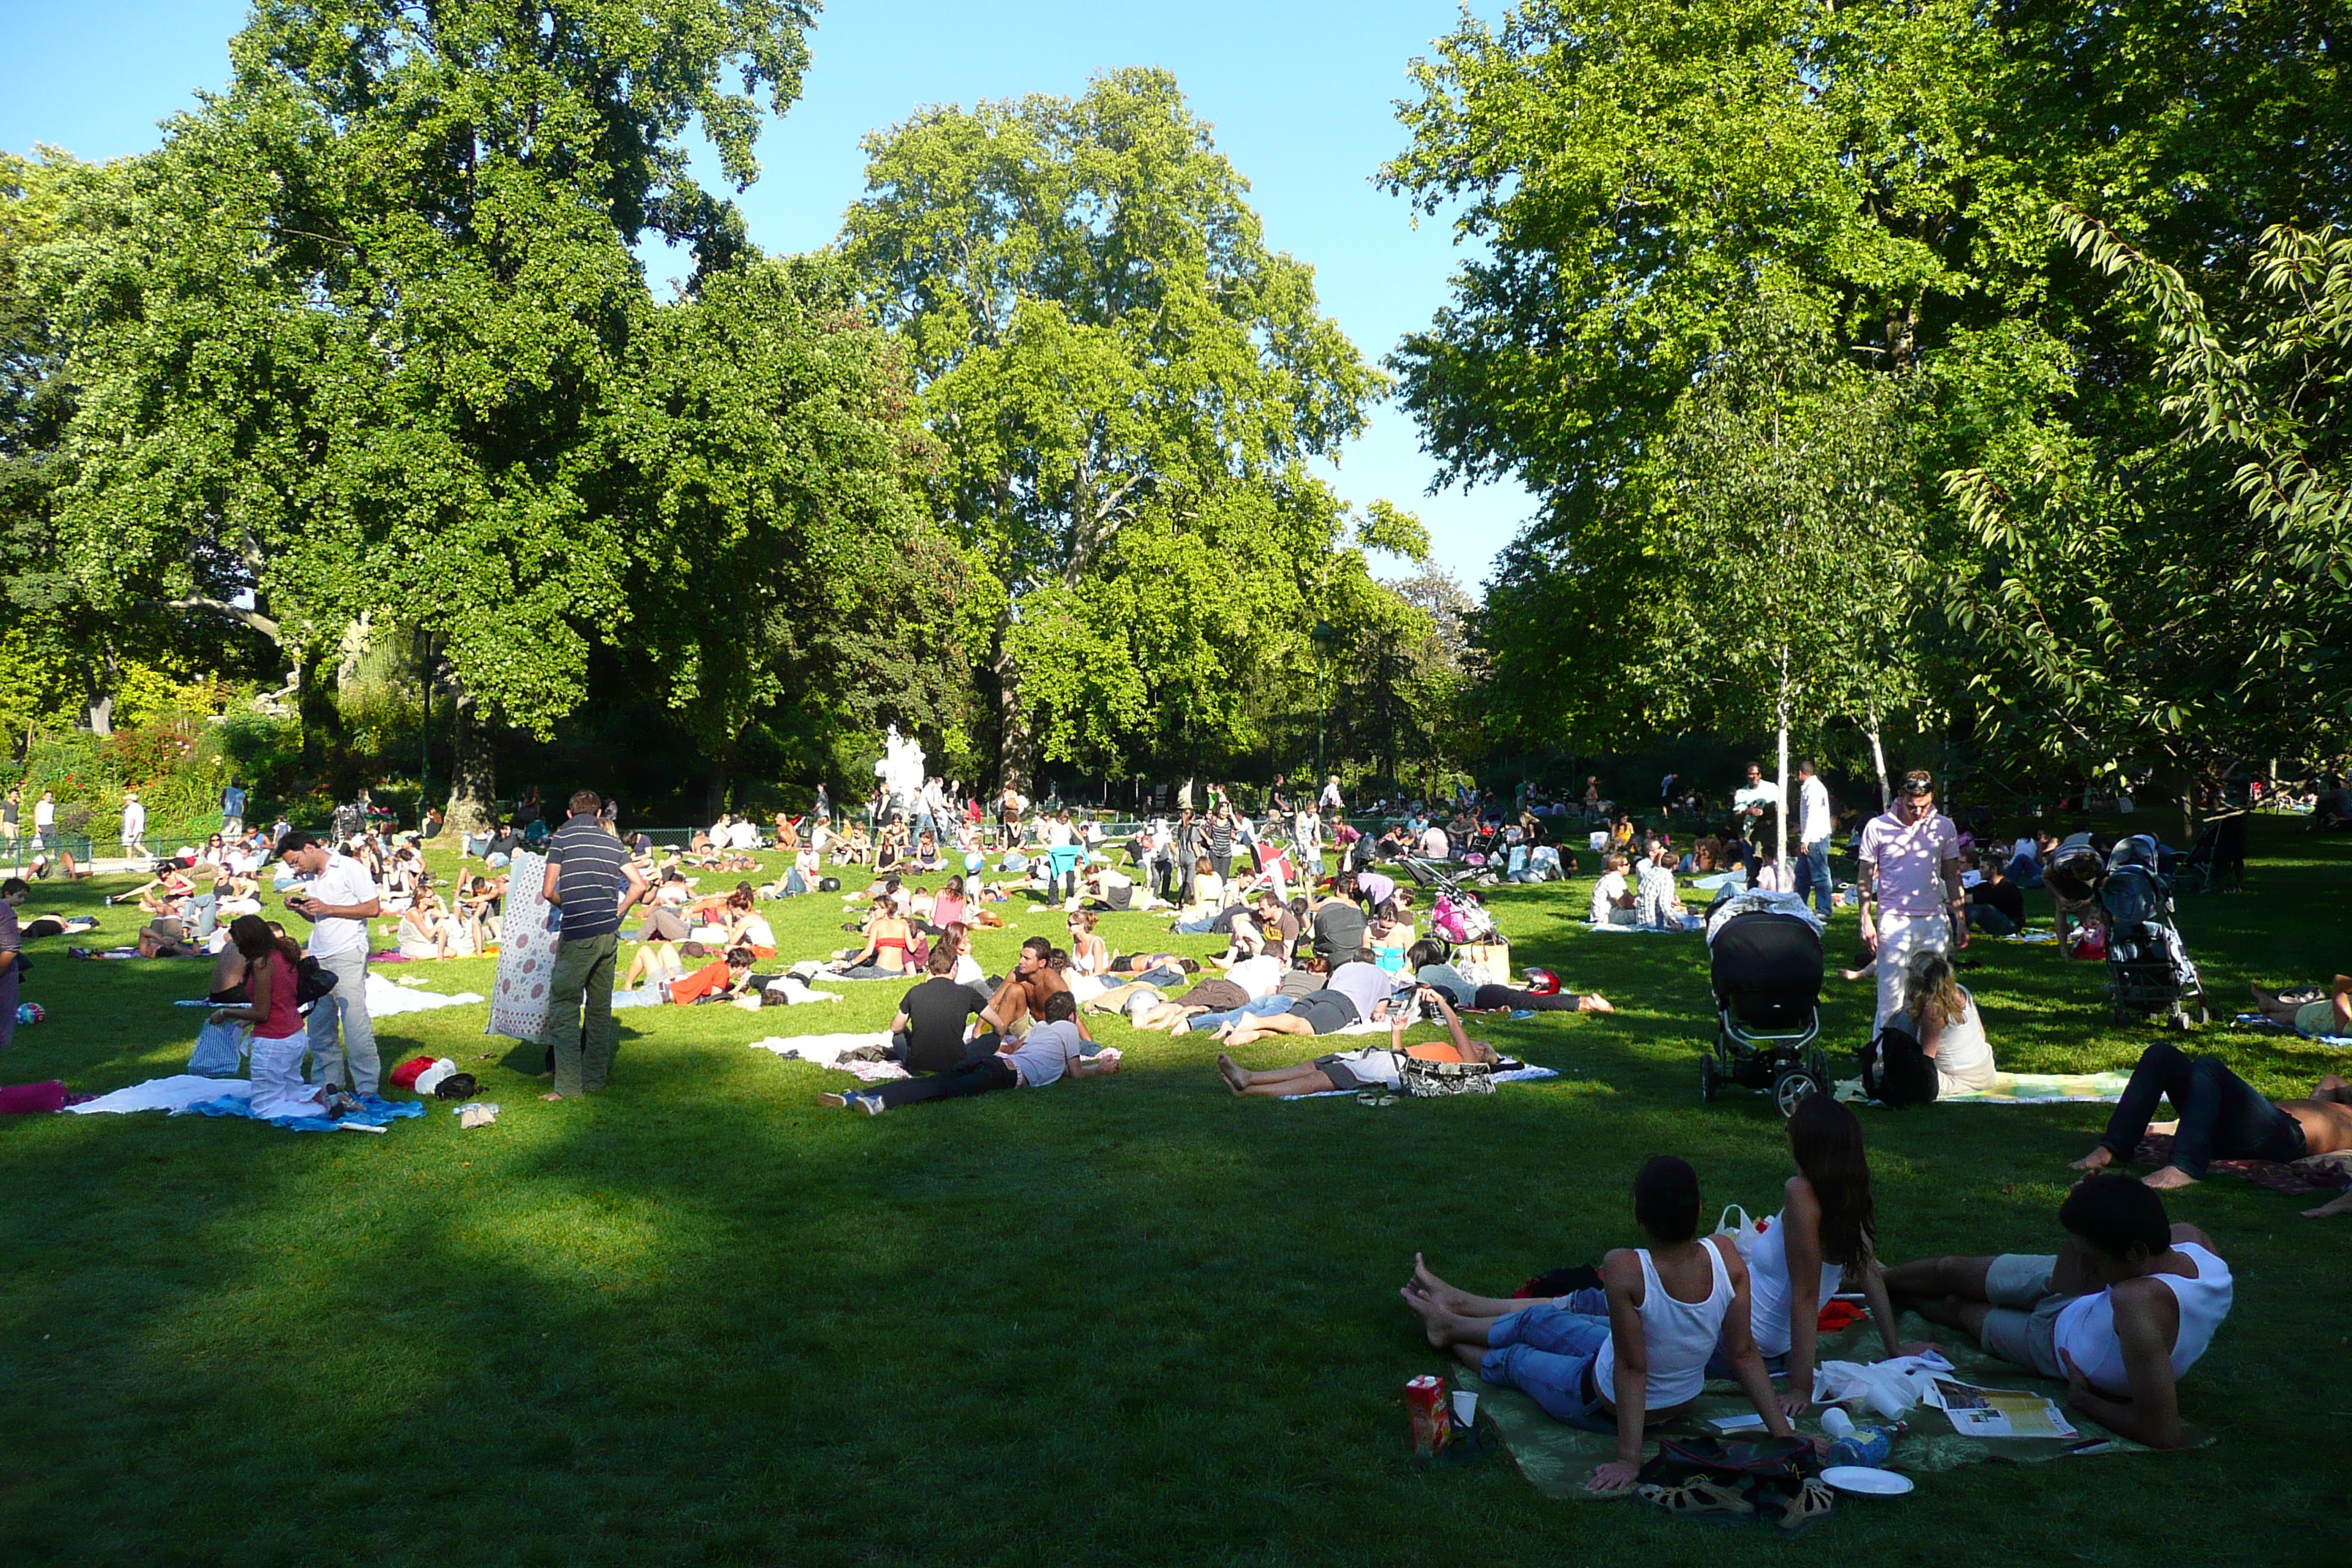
[(1054, 1050), (1375, 1068), (1670, 1305), (2221, 1117), (2120, 1313)]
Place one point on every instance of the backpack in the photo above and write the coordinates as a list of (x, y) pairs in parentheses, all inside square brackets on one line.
[(1895, 1070), (1428, 1081)]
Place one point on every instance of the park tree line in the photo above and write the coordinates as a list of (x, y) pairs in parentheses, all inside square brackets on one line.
[(1973, 371), (365, 354)]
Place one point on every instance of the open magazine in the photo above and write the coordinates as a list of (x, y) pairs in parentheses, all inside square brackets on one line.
[(2000, 1411)]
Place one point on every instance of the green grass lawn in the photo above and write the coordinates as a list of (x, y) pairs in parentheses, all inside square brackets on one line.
[(700, 1318)]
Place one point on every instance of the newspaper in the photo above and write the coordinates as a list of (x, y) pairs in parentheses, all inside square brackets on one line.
[(2000, 1411)]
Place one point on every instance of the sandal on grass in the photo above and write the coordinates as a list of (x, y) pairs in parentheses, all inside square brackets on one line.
[(1812, 1504), (1701, 1498)]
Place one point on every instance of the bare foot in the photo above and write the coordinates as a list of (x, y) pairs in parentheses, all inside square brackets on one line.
[(1436, 1289), (2331, 1209), (550, 1094), (2170, 1176), (1231, 1072), (1433, 1316), (2098, 1159), (1596, 1003)]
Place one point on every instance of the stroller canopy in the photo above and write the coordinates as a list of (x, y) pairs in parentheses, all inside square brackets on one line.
[(1765, 967)]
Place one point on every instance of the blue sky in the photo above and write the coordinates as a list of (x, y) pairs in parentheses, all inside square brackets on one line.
[(1300, 91)]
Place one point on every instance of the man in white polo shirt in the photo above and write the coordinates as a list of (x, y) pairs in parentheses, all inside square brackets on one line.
[(1911, 896), (1813, 829), (338, 898)]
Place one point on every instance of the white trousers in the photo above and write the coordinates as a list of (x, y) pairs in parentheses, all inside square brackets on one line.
[(1900, 936), (277, 1086)]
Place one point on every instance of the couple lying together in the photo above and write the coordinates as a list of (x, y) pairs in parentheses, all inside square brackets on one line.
[(2119, 1313)]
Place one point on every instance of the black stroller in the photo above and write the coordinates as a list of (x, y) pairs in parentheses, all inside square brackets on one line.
[(1765, 965), (2149, 970)]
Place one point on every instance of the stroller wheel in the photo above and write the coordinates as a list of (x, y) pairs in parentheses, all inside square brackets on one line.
[(1707, 1080), (1791, 1086)]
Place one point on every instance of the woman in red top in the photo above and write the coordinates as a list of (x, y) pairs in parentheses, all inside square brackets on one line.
[(280, 1039)]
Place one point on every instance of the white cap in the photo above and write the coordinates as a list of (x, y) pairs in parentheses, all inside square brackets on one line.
[(430, 1078)]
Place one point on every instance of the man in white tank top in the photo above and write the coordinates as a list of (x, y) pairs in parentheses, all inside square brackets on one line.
[(2121, 1314)]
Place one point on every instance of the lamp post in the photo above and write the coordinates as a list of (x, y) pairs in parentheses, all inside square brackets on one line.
[(1323, 635)]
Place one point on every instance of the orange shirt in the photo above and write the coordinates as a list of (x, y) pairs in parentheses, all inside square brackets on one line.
[(1434, 1053), (707, 981)]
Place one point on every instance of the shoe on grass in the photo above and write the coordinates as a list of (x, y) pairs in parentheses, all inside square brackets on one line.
[(1519, 1015), (873, 1105)]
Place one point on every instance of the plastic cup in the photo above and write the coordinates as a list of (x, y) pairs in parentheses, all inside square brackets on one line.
[(1465, 1406), (1836, 1422)]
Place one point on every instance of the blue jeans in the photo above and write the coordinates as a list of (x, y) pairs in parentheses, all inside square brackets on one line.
[(1263, 1007), (1813, 875), (1545, 1350)]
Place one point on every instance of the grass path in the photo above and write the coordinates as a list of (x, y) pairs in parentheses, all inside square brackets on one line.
[(1131, 1319)]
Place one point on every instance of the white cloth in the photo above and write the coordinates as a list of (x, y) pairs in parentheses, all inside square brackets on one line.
[(1889, 1387), (343, 881), (1813, 825), (166, 1094), (384, 998), (825, 1050), (1434, 845)]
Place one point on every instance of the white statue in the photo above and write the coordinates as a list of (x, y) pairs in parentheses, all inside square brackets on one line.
[(901, 771)]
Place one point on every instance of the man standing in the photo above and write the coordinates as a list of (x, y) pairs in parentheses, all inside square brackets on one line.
[(8, 822), (340, 900), (45, 820), (1330, 801), (1813, 828), (1911, 895), (134, 826), (1754, 801), (233, 810), (591, 880)]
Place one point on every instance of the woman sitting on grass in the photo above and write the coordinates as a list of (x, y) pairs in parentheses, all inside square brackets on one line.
[(1938, 1010), (1671, 1305), (888, 937), (427, 931), (746, 926), (1089, 954), (927, 856)]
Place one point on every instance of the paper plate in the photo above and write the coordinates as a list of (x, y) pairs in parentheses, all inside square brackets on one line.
[(1863, 1478)]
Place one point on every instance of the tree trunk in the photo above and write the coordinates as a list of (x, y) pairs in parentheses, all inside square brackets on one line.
[(1780, 812), (1878, 756), (100, 714), (473, 768), (1017, 763), (714, 795)]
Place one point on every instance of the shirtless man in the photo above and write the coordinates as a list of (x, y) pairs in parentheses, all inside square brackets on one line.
[(1022, 994), (2221, 1117), (2121, 1312)]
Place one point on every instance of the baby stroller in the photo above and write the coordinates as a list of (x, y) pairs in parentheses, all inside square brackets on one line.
[(1764, 962), (1456, 912), (2148, 968)]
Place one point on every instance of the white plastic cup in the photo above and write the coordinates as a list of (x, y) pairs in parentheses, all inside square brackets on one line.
[(1465, 1406), (1836, 1422)]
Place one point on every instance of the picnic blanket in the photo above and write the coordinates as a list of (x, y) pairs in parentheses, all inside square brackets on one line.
[(373, 1115), (2022, 1088), (1515, 1075), (1556, 1459), (385, 998), (826, 1051), (176, 1093), (2296, 1178), (2260, 1022)]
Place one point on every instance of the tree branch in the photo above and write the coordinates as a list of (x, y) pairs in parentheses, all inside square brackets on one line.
[(253, 619)]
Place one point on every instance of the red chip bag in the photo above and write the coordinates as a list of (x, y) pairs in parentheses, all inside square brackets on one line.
[(405, 1075)]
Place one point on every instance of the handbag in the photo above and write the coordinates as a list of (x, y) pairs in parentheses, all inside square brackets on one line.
[(220, 1050), (1428, 1081), (311, 981), (1895, 1070)]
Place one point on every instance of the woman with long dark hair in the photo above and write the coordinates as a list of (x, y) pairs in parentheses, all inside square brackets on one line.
[(1824, 1239), (280, 1039)]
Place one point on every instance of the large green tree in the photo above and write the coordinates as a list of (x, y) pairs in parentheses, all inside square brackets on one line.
[(353, 340), (1128, 387)]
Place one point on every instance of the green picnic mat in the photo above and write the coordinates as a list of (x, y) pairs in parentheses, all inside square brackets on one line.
[(1556, 1458)]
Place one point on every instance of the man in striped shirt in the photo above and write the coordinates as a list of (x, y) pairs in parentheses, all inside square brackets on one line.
[(592, 882)]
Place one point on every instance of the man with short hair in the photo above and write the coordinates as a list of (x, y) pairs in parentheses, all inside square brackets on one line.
[(339, 899), (44, 819), (233, 809), (8, 821), (1912, 900), (1754, 801), (1813, 829), (1054, 1050), (591, 881)]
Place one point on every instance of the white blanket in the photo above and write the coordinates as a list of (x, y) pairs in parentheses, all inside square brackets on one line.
[(174, 1094), (385, 999)]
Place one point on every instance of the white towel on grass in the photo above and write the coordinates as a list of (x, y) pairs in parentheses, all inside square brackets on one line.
[(174, 1094), (385, 999)]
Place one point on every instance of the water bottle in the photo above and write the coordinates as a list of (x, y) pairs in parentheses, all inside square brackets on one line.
[(1864, 1446)]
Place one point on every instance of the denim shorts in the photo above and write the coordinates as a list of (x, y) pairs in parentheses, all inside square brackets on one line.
[(2022, 1328)]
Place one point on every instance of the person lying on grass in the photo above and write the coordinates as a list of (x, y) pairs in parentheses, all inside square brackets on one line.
[(1375, 1067), (2221, 1117), (2329, 1015), (2121, 1312), (1256, 984), (1055, 1049), (1350, 993), (1671, 1305), (1426, 959)]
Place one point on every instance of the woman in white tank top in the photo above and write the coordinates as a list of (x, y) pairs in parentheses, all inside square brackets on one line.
[(1824, 1237), (1669, 1307)]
